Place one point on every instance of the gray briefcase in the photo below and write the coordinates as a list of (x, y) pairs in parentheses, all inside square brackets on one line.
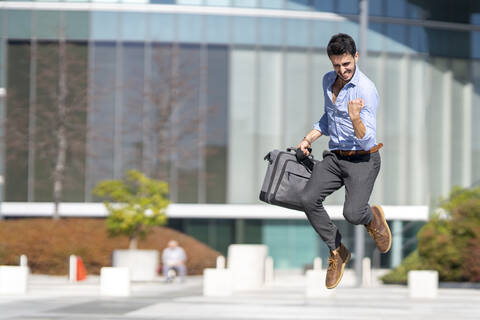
[(286, 178)]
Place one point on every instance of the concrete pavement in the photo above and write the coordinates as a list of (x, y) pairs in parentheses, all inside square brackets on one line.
[(55, 298)]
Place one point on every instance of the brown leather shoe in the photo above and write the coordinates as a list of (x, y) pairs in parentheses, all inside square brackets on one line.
[(336, 264), (379, 230)]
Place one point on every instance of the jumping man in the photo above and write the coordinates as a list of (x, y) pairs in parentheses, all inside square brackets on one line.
[(351, 102)]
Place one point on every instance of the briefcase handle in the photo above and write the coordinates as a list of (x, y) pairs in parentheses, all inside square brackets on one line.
[(295, 151)]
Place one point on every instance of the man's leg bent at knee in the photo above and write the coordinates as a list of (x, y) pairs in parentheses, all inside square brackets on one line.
[(326, 178)]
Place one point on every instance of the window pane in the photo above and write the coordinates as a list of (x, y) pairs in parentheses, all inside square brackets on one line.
[(375, 7), (322, 32), (415, 11), (245, 3), (187, 114), (77, 25), (190, 28), (350, 28), (476, 119), (217, 124), (475, 50), (348, 6), (242, 174), (190, 2), (132, 89), (3, 48), (162, 27), (134, 26), (101, 117), (104, 25), (298, 32), (418, 39), (396, 38), (449, 43), (244, 30), (220, 3), (272, 4), (297, 98), (46, 115), (163, 1), (46, 104), (271, 31), (270, 111), (47, 24), (291, 244), (324, 5), (375, 38), (16, 133), (218, 29), (396, 8), (19, 24), (298, 4)]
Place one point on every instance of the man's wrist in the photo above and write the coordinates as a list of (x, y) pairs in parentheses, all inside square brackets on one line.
[(307, 140), (354, 116)]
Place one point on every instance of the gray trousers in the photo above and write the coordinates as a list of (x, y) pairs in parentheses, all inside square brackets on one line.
[(357, 174)]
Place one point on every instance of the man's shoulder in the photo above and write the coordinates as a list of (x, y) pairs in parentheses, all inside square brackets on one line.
[(364, 83), (329, 76)]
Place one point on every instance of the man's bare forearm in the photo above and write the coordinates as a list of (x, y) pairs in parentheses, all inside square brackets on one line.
[(313, 135), (358, 126)]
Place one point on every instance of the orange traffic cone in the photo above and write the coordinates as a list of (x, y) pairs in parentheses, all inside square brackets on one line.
[(81, 272)]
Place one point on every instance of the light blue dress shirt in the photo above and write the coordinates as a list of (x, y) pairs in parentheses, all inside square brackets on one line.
[(336, 122)]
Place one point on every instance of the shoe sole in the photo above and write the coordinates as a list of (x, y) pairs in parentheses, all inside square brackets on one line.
[(386, 226), (341, 274)]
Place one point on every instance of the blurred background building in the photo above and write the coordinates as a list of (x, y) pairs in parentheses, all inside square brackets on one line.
[(235, 79)]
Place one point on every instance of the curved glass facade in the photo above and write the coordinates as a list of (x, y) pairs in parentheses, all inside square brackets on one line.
[(242, 80)]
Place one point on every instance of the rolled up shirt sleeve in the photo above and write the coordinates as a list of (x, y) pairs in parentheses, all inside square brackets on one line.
[(368, 115), (322, 125)]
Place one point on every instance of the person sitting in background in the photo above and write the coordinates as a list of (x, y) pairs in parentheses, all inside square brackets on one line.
[(174, 258)]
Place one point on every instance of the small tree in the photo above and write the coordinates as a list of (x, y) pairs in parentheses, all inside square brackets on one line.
[(135, 205)]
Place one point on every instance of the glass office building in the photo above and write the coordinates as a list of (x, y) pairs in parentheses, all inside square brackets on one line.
[(238, 78)]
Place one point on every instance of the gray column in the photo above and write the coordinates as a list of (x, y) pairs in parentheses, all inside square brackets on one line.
[(239, 231), (359, 230), (397, 240)]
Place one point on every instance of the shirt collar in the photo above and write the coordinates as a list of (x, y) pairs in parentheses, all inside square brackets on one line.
[(353, 81), (356, 76)]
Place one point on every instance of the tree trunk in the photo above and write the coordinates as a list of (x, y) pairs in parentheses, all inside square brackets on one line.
[(133, 243), (58, 174)]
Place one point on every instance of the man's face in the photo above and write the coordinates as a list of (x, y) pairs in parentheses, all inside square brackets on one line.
[(344, 65)]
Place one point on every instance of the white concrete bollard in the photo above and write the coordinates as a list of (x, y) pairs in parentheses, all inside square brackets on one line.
[(72, 268), (217, 282), (315, 284), (366, 272), (13, 279), (143, 264), (247, 264), (220, 262), (269, 270), (23, 261), (423, 284), (317, 263), (115, 281)]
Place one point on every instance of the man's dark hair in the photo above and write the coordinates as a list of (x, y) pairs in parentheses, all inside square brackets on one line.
[(341, 43)]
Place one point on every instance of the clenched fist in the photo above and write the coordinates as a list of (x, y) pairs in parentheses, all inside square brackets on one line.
[(354, 108)]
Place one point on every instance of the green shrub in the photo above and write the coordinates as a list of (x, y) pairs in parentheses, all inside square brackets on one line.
[(399, 275), (449, 242), (135, 205)]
